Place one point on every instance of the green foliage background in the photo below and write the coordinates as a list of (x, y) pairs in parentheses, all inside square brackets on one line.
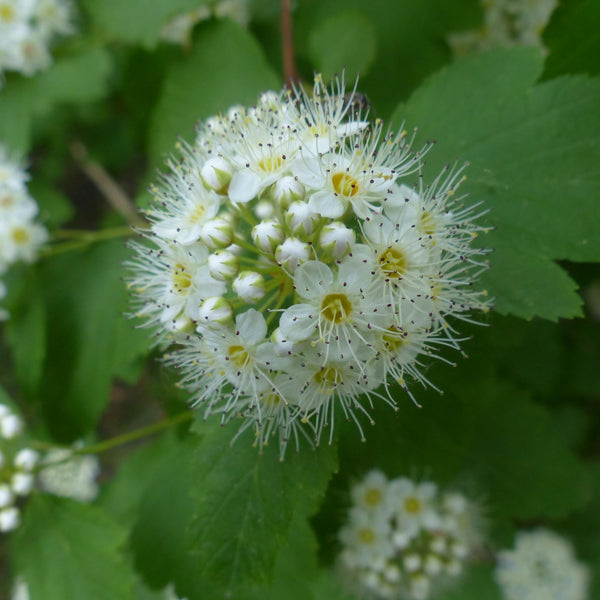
[(518, 423)]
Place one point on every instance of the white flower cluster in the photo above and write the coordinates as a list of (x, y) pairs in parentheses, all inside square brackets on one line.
[(64, 473), (20, 236), (403, 538), (542, 566), (294, 268), (179, 29), (506, 23), (16, 469), (27, 30)]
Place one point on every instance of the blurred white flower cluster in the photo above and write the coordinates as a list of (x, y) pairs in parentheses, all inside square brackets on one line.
[(542, 566), (27, 31), (179, 29), (17, 464), (65, 473), (20, 236), (296, 270), (405, 539), (506, 23), (59, 472)]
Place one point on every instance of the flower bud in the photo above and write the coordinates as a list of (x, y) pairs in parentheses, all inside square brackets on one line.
[(26, 459), (439, 545), (264, 209), (336, 239), (235, 112), (4, 410), (215, 310), (10, 426), (291, 253), (433, 565), (267, 235), (288, 190), (412, 562), (9, 519), (223, 264), (217, 233), (301, 219), (249, 286), (216, 174), (6, 495), (22, 483)]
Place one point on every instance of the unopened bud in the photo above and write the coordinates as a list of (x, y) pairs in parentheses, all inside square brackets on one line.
[(216, 174), (267, 235), (10, 426), (336, 239), (22, 483), (223, 264), (288, 190), (217, 233), (301, 219), (292, 253), (249, 286), (412, 562), (264, 209), (215, 310), (6, 495), (26, 459), (9, 519)]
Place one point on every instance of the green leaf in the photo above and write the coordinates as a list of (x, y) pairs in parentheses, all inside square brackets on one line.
[(66, 550), (572, 38), (223, 515), (225, 67), (533, 153), (136, 21), (345, 41), (78, 78), (26, 334), (477, 584), (88, 337)]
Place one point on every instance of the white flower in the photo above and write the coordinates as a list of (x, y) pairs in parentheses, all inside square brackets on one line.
[(542, 566), (27, 29), (414, 504)]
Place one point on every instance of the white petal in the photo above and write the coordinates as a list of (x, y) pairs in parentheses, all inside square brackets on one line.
[(312, 279), (296, 323), (308, 172), (252, 326), (244, 186), (327, 204)]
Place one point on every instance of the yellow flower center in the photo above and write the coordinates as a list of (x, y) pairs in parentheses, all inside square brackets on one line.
[(366, 535), (373, 497), (197, 214), (344, 184), (427, 223), (20, 235), (7, 13), (329, 376), (270, 163), (412, 505), (394, 339), (393, 262), (238, 355), (182, 279), (336, 308)]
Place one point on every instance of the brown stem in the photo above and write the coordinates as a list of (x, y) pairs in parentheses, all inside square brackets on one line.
[(111, 190), (287, 41)]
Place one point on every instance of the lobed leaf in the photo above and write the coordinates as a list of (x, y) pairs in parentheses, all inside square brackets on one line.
[(66, 550)]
